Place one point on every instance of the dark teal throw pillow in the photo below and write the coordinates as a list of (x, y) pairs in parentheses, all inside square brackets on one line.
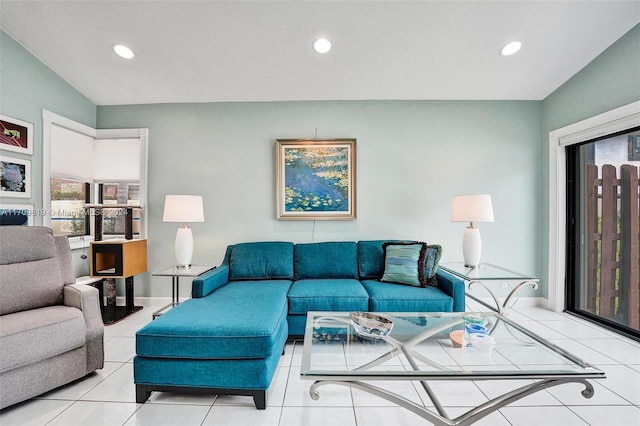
[(432, 258), (404, 263)]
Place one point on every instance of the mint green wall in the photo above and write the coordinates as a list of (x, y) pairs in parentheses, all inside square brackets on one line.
[(608, 82), (413, 156), (27, 87)]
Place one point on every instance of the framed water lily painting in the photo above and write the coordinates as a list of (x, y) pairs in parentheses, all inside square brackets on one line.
[(15, 177), (316, 179), (16, 135)]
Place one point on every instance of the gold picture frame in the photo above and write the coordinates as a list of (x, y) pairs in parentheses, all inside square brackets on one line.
[(316, 179)]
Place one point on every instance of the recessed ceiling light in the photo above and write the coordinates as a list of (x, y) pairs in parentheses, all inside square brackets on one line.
[(510, 48), (123, 51), (322, 45)]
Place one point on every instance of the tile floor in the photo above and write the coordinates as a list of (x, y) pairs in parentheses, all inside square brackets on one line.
[(108, 398)]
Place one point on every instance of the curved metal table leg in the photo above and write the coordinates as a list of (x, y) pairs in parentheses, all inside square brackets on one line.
[(470, 416), (501, 308)]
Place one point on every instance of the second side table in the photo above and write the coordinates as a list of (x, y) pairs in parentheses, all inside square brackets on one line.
[(487, 276), (175, 273)]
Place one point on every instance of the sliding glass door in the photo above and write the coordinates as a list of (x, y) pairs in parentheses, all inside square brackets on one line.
[(603, 231)]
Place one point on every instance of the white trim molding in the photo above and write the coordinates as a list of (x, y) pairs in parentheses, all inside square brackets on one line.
[(48, 120), (613, 121)]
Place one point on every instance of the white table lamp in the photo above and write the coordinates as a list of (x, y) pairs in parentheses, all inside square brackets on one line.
[(472, 208), (183, 208)]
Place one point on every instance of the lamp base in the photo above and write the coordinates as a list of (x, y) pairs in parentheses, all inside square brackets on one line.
[(471, 247), (184, 247)]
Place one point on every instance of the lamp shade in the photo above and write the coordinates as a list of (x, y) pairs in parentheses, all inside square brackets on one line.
[(472, 208), (183, 208)]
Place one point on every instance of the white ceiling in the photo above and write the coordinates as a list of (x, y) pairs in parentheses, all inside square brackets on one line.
[(211, 51)]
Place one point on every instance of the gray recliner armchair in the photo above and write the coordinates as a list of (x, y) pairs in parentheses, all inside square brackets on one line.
[(51, 330)]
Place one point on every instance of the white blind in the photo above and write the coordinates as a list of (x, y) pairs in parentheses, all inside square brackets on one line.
[(78, 156), (71, 154), (116, 160)]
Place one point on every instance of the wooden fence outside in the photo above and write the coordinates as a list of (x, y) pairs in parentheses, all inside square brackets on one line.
[(613, 244)]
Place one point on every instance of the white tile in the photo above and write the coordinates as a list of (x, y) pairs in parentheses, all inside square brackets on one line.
[(536, 416), (296, 357), (540, 314), (297, 393), (235, 400), (583, 351), (571, 394), (623, 381), (221, 415), (285, 360), (541, 330), (118, 387), (620, 350), (35, 412), (83, 413), (278, 387), (385, 416), (120, 349), (495, 388), (75, 390), (494, 419), (316, 416), (166, 414), (461, 393), (404, 389), (607, 416), (181, 398), (576, 330)]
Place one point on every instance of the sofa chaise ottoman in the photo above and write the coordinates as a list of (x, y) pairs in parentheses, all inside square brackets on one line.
[(228, 338)]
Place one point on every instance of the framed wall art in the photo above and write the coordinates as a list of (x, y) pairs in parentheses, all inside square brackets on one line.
[(16, 214), (16, 135), (316, 179), (15, 177)]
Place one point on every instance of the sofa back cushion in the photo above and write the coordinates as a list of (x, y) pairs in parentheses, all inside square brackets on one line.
[(261, 261), (371, 258), (326, 260), (31, 272)]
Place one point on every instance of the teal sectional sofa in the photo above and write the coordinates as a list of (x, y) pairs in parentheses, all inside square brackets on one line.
[(228, 338)]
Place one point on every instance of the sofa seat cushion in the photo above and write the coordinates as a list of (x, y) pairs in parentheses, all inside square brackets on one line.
[(327, 295), (261, 261), (243, 319), (56, 329), (326, 260), (386, 297)]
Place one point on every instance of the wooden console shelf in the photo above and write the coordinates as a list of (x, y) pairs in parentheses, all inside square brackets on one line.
[(118, 258)]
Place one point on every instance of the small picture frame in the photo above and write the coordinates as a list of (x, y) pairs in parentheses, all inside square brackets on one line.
[(16, 135), (16, 214), (15, 177), (316, 179)]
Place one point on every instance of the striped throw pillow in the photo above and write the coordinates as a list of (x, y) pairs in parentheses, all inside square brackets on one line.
[(404, 263)]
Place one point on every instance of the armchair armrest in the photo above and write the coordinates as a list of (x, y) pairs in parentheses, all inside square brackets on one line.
[(85, 298), (209, 281), (454, 287)]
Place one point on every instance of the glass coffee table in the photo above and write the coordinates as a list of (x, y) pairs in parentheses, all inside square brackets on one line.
[(419, 348)]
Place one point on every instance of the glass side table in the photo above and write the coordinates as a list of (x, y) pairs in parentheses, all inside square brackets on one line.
[(175, 273), (487, 276)]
